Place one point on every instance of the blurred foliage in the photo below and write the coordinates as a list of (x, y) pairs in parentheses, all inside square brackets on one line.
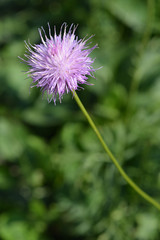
[(55, 179)]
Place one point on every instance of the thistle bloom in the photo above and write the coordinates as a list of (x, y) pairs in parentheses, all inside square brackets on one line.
[(61, 63)]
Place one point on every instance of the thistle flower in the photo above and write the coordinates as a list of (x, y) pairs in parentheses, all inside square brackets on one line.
[(61, 63)]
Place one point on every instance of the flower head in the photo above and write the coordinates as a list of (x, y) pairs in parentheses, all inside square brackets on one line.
[(61, 63)]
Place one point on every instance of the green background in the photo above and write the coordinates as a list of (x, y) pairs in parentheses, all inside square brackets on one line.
[(56, 182)]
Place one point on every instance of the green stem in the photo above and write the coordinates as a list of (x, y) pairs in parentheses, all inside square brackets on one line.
[(145, 38), (120, 169), (149, 24)]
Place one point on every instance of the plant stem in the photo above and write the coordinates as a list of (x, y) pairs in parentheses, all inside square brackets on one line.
[(149, 24), (143, 44), (120, 169)]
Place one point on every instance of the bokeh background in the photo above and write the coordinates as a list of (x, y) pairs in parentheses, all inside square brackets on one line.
[(56, 182)]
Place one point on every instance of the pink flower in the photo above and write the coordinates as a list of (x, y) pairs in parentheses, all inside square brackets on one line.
[(61, 63)]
